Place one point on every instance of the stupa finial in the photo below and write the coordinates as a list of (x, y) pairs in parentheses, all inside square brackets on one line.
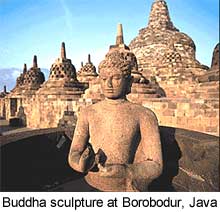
[(119, 38), (89, 58), (63, 51), (35, 62), (25, 68)]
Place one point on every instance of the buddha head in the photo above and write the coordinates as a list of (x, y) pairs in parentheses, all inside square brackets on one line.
[(115, 74)]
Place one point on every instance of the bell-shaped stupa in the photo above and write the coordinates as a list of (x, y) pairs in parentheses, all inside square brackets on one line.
[(62, 78), (87, 72), (163, 51), (33, 78)]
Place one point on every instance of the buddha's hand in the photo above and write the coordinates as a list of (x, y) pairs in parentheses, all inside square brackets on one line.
[(100, 157), (112, 170), (87, 158)]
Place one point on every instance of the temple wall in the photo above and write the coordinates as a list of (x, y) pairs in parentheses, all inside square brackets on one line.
[(192, 114), (47, 110), (8, 106), (43, 111), (193, 107), (2, 103), (200, 115), (197, 109), (189, 89)]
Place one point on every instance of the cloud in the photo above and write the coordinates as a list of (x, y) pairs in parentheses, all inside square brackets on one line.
[(67, 15)]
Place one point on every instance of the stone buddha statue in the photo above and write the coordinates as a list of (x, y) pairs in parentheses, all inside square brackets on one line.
[(116, 142)]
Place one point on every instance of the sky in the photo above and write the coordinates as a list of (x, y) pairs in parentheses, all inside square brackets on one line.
[(37, 27)]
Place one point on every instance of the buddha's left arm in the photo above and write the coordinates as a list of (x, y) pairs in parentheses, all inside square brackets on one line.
[(151, 167)]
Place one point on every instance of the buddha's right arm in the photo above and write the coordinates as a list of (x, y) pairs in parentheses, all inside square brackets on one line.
[(79, 153)]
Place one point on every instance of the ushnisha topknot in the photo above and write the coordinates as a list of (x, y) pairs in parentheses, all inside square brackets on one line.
[(121, 59)]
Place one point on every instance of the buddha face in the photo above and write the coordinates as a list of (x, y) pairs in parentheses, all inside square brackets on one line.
[(114, 84)]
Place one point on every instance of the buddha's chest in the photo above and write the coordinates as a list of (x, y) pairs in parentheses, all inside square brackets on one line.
[(117, 134), (114, 124)]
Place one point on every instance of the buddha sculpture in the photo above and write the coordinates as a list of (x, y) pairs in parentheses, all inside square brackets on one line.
[(116, 143)]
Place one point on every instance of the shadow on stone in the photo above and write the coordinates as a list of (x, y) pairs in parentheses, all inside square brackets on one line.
[(171, 155), (14, 122), (37, 163), (20, 120)]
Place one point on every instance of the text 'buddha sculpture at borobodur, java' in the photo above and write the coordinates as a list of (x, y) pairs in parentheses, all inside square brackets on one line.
[(116, 142)]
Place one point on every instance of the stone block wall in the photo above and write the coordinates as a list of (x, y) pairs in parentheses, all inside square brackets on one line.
[(196, 110), (191, 90), (196, 115), (2, 106), (47, 110), (7, 103)]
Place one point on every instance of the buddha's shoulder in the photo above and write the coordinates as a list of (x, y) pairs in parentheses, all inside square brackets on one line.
[(91, 108), (141, 110), (131, 108)]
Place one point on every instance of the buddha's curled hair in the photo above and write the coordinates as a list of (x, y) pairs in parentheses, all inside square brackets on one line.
[(123, 60)]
